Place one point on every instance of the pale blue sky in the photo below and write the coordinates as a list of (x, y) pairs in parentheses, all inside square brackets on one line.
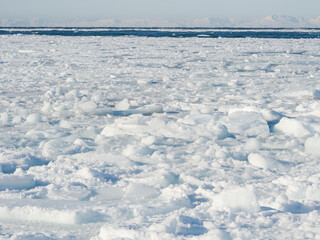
[(180, 9)]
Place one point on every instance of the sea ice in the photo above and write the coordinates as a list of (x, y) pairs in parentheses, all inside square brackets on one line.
[(159, 138)]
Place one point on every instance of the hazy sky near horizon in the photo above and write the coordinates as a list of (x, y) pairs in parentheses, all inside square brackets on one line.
[(179, 9)]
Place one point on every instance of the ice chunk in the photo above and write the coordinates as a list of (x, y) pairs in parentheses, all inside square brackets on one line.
[(59, 108), (88, 106), (217, 151), (313, 192), (108, 194), (110, 232), (241, 199), (190, 226), (141, 150), (88, 132), (16, 182), (316, 94), (296, 191), (40, 236), (34, 118), (16, 120), (283, 204), (292, 127), (196, 119), (97, 98), (149, 140), (65, 124), (161, 178), (35, 135), (264, 162), (252, 145), (57, 147), (312, 145), (270, 115), (88, 173), (220, 131), (149, 110), (123, 105), (46, 107), (175, 196), (26, 51), (250, 124), (72, 94), (50, 215), (169, 225), (134, 125), (4, 118), (137, 191), (72, 191), (24, 160), (217, 234)]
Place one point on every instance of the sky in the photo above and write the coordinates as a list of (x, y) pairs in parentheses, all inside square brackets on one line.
[(165, 9)]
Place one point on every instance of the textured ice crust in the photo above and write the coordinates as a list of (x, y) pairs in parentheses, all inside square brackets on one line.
[(159, 138)]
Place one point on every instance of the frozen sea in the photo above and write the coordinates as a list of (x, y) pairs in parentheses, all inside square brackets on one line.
[(159, 134)]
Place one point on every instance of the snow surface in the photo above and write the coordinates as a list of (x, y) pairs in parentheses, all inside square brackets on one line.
[(159, 138)]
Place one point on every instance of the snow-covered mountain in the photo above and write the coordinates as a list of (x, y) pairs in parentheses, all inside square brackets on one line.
[(273, 21), (284, 21)]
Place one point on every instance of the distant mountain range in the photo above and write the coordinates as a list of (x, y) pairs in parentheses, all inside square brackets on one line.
[(274, 21)]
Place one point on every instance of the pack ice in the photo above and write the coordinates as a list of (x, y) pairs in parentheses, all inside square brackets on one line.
[(159, 138)]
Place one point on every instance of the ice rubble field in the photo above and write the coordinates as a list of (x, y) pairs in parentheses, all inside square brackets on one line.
[(159, 138)]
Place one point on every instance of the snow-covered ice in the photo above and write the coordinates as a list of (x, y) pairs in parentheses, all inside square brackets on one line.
[(159, 138)]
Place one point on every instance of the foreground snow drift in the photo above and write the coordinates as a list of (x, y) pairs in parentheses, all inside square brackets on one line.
[(138, 138)]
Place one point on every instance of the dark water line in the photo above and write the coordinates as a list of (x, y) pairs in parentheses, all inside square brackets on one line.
[(171, 33)]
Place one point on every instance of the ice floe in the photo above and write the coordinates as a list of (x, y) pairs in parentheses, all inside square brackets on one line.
[(159, 138)]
